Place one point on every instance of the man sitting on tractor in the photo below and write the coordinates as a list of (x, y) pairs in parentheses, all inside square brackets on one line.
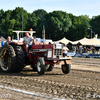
[(8, 40), (27, 41)]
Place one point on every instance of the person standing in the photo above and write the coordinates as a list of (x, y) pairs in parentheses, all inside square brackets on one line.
[(93, 50), (81, 49), (65, 50)]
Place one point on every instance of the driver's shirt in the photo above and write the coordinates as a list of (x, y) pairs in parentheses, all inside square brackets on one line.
[(28, 40)]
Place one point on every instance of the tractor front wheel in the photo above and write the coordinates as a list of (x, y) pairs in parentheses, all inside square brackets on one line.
[(66, 68), (40, 66)]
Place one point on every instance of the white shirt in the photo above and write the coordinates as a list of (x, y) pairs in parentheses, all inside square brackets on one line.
[(65, 48), (28, 40)]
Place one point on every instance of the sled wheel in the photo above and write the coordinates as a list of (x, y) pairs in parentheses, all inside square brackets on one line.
[(66, 68), (40, 66)]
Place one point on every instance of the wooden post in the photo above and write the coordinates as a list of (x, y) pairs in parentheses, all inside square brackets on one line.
[(43, 34)]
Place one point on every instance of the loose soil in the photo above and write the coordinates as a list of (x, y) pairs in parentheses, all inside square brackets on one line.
[(82, 83)]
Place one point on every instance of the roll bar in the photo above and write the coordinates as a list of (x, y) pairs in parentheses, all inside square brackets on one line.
[(17, 32)]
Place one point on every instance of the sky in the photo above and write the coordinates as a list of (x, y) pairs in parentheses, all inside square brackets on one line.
[(76, 7)]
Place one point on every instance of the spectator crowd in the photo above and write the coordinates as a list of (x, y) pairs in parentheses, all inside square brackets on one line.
[(89, 49)]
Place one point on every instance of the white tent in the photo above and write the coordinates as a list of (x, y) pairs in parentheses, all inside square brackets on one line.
[(64, 40), (80, 41), (92, 41), (84, 41)]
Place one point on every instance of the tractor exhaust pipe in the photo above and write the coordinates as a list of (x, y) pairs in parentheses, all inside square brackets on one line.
[(43, 34)]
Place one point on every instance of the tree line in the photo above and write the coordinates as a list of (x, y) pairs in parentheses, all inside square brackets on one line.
[(58, 24)]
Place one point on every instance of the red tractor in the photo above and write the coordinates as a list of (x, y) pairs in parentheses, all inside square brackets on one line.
[(41, 57)]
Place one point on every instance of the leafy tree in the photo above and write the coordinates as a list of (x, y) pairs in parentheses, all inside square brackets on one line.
[(17, 15), (2, 28), (79, 27), (58, 23), (32, 21), (40, 15), (84, 26), (95, 24), (5, 22), (11, 26)]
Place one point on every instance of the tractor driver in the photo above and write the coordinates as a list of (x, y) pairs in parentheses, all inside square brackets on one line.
[(27, 41), (8, 40)]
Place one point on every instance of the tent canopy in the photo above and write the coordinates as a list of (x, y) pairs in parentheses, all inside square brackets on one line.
[(80, 41), (64, 41), (2, 38), (87, 42), (92, 41)]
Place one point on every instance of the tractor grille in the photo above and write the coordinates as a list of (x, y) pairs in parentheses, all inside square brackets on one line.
[(57, 52)]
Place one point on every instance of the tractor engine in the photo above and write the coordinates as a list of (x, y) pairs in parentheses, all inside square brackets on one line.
[(56, 51), (50, 51)]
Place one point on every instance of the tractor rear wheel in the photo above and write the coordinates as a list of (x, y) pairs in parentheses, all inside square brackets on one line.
[(7, 59), (66, 68), (20, 58), (40, 64)]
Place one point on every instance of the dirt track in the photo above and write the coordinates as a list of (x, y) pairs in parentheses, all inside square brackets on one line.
[(78, 84)]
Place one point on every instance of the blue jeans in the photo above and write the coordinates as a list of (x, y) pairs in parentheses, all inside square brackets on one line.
[(29, 47)]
